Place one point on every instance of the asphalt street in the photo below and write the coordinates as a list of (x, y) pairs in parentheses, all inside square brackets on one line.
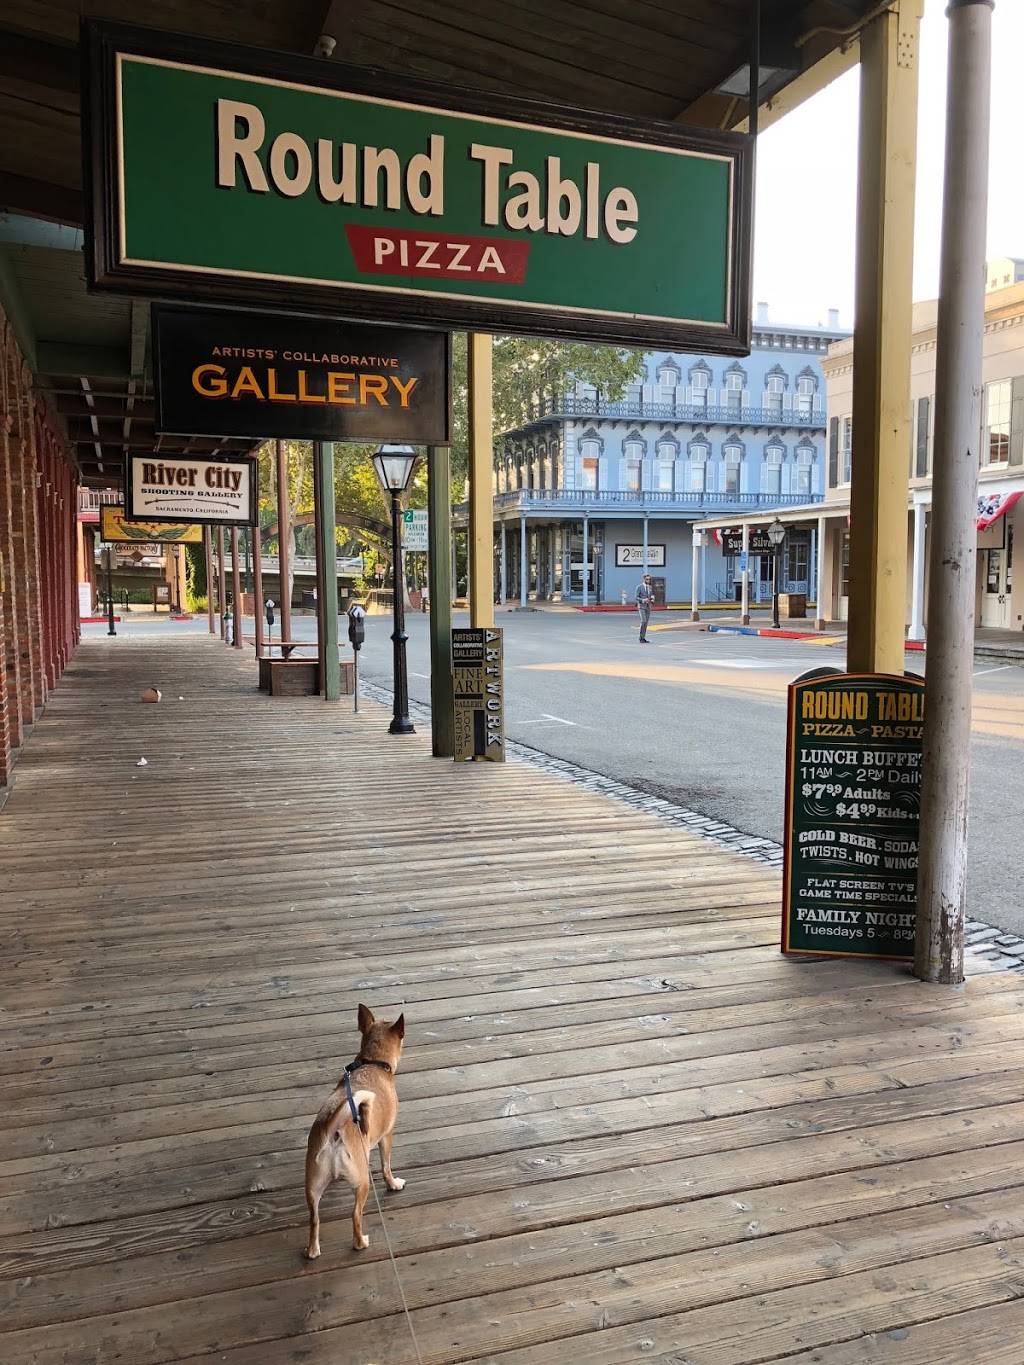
[(699, 718)]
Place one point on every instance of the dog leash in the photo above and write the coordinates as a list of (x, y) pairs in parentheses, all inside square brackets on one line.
[(387, 1243), (355, 1066)]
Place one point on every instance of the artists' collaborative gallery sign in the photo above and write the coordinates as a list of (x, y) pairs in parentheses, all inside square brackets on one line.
[(853, 804), (260, 177), (191, 488), (221, 372), (477, 666), (115, 528)]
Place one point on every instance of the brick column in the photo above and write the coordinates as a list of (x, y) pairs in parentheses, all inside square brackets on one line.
[(11, 577)]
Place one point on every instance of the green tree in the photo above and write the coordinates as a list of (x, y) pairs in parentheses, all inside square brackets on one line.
[(528, 370)]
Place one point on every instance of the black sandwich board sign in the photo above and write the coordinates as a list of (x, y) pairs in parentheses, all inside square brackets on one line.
[(265, 179), (853, 804), (479, 694), (224, 372)]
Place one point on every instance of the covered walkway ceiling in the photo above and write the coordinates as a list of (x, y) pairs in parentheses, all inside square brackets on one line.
[(681, 60)]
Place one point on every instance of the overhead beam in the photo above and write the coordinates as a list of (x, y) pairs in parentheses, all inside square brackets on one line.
[(41, 199), (69, 360)]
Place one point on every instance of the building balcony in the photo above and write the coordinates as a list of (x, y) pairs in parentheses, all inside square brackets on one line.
[(562, 501), (695, 413)]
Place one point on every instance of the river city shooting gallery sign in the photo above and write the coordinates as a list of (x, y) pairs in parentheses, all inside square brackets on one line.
[(190, 488), (221, 372), (258, 177), (853, 805), (115, 528), (477, 665)]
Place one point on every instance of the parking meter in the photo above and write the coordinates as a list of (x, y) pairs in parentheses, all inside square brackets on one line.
[(270, 611), (356, 636), (356, 625)]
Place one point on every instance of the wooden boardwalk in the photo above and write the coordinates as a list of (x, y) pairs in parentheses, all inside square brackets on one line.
[(630, 1130)]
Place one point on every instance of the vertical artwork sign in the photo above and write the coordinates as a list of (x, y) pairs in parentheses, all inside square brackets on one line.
[(853, 805), (477, 665)]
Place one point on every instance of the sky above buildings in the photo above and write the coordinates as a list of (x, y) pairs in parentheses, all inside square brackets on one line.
[(807, 179)]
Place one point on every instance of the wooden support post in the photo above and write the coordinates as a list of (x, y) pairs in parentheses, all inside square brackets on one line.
[(221, 594), (439, 559), (208, 552), (481, 500), (882, 338), (745, 578), (503, 563), (823, 579), (586, 558), (524, 562), (284, 542), (237, 609), (327, 559), (942, 868), (257, 586), (917, 578)]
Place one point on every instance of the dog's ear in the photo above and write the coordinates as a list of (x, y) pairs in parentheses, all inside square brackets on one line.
[(365, 1018), (398, 1027)]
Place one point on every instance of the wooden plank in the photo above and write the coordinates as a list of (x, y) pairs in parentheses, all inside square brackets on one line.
[(603, 1047)]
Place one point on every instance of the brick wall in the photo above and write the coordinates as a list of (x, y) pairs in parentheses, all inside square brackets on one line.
[(39, 625)]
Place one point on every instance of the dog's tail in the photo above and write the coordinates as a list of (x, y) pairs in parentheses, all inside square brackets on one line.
[(333, 1117)]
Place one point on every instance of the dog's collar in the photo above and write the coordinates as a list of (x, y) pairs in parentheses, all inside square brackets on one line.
[(367, 1061)]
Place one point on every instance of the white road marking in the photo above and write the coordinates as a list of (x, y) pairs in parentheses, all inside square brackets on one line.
[(1000, 668), (544, 719), (418, 675), (739, 663)]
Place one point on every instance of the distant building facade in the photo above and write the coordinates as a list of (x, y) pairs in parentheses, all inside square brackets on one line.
[(1000, 518), (587, 483)]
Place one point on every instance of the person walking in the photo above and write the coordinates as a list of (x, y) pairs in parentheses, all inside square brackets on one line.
[(644, 602)]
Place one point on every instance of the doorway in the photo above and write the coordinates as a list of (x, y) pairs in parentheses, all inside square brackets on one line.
[(996, 583)]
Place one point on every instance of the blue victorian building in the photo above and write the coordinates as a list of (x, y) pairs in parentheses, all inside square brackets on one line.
[(588, 488)]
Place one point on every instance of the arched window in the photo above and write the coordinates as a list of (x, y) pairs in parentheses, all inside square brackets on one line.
[(632, 464), (668, 380), (774, 388), (734, 382), (732, 456), (804, 472), (665, 466), (590, 463), (700, 383), (806, 388), (771, 474), (698, 452)]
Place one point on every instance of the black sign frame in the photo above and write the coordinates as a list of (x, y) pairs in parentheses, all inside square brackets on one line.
[(246, 461), (182, 413), (905, 878), (102, 41)]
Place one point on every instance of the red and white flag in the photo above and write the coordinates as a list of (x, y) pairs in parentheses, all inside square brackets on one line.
[(992, 506)]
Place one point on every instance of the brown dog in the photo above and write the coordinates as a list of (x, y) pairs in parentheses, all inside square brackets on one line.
[(340, 1147)]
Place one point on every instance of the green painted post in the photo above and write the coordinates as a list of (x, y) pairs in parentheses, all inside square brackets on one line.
[(323, 454), (439, 580)]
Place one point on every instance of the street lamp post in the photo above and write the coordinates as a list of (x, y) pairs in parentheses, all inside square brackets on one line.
[(110, 591), (394, 466), (776, 534)]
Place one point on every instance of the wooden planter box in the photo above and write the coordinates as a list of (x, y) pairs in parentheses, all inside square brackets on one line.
[(793, 605), (297, 677)]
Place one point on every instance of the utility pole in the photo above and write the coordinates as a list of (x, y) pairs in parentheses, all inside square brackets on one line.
[(942, 867)]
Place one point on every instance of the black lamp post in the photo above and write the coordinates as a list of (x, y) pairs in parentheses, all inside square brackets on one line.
[(776, 534), (393, 466), (110, 591)]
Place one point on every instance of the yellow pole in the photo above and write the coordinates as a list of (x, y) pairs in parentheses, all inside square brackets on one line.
[(481, 501), (882, 337)]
